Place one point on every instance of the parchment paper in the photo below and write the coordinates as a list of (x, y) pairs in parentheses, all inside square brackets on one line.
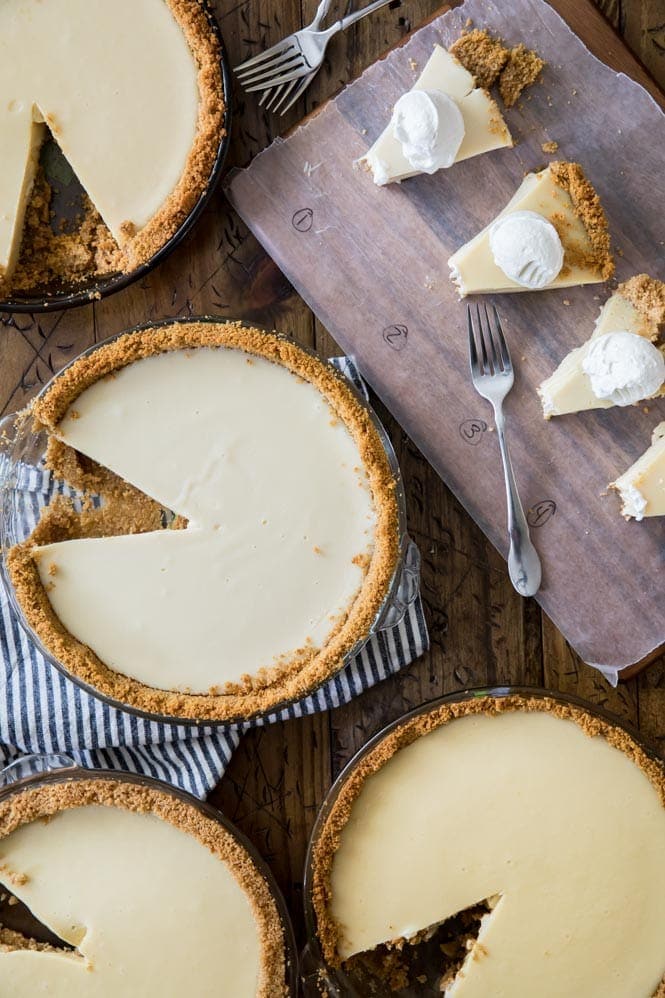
[(372, 264)]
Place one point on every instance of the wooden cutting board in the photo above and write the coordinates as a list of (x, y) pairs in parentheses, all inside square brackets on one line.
[(372, 264)]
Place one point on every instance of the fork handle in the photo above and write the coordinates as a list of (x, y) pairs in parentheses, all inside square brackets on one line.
[(346, 22), (524, 566)]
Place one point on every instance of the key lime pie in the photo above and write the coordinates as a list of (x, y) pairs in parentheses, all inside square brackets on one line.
[(642, 487), (278, 480), (552, 234), (444, 119), (150, 896), (542, 824), (132, 94), (620, 364)]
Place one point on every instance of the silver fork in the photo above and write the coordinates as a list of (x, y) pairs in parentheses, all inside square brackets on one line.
[(493, 377), (298, 55), (276, 96)]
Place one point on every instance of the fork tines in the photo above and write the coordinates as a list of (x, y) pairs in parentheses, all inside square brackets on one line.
[(493, 356), (270, 65)]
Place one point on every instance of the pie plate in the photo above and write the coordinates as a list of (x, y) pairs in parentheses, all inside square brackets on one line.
[(66, 207), (22, 451), (318, 976), (48, 771)]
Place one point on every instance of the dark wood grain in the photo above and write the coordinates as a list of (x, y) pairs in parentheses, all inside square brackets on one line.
[(481, 631)]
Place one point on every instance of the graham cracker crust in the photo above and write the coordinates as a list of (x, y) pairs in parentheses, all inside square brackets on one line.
[(490, 61), (647, 295), (586, 203), (90, 251), (329, 837), (42, 802), (126, 510)]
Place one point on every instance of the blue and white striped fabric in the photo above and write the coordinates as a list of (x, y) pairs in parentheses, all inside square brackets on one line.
[(41, 711)]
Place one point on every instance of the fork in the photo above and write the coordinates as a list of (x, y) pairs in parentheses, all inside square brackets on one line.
[(493, 377), (275, 96), (297, 55)]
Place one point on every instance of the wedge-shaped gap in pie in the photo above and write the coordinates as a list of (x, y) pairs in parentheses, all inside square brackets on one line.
[(427, 963), (22, 929)]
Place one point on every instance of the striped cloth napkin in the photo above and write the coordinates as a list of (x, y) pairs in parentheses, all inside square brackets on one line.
[(41, 711)]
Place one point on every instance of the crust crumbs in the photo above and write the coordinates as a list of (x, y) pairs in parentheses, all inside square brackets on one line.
[(290, 677), (42, 802), (521, 70), (330, 835), (647, 295), (88, 251), (570, 177), (483, 56), (91, 251)]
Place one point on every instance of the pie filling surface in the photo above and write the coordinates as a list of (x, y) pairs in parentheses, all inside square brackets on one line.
[(560, 835), (131, 93), (285, 499), (152, 897)]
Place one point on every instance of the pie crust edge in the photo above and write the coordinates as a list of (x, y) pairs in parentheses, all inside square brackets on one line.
[(306, 669), (44, 801), (329, 838)]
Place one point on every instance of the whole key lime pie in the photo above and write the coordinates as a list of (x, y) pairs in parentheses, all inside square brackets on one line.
[(248, 534)]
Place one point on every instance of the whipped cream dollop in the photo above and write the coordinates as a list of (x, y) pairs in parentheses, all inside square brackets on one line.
[(429, 126), (624, 367), (527, 248)]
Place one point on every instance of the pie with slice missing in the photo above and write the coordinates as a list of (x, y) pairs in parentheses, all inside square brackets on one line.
[(132, 94), (248, 535), (147, 895), (538, 827)]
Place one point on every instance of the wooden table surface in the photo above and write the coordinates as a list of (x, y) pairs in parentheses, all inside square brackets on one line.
[(481, 631)]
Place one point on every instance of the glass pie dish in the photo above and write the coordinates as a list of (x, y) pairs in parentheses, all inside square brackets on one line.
[(425, 962), (66, 210), (37, 772), (22, 454)]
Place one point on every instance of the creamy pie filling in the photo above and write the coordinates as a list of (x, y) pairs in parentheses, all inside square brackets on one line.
[(287, 500), (546, 813), (152, 896)]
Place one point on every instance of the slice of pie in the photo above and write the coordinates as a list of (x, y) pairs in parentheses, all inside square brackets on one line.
[(552, 234), (642, 487), (132, 93), (279, 539), (147, 894), (509, 816), (637, 308), (444, 119)]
